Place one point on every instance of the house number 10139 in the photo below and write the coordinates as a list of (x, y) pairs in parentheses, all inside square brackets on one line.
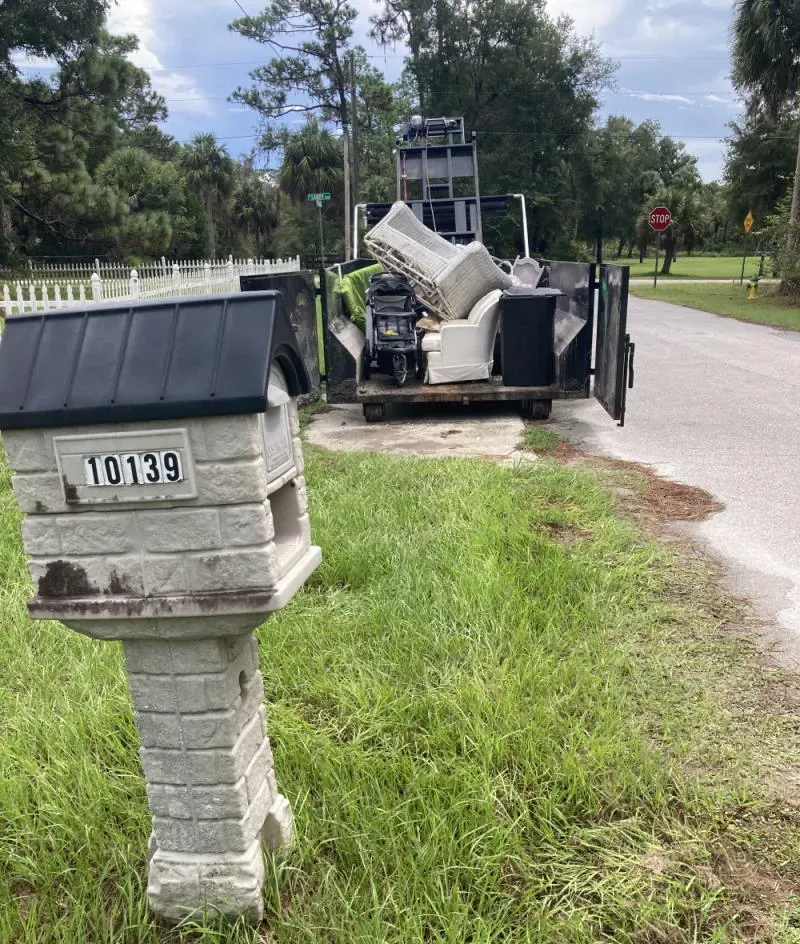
[(133, 468)]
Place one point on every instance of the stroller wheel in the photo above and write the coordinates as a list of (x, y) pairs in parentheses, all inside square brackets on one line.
[(400, 369)]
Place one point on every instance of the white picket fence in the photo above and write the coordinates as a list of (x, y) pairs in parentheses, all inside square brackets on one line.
[(67, 286)]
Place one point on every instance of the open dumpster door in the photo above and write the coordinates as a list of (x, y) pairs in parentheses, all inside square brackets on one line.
[(613, 365)]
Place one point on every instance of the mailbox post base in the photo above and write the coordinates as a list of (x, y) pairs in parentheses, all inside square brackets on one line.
[(210, 777), (183, 884)]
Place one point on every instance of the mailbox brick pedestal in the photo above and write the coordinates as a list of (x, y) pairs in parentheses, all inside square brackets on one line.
[(158, 465), (210, 779)]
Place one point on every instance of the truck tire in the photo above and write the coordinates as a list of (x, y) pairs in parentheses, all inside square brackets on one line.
[(374, 412), (536, 409)]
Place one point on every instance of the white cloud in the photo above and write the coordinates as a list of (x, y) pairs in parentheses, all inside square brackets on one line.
[(33, 63), (588, 15), (712, 145), (366, 8), (138, 17), (660, 97), (727, 102), (664, 33)]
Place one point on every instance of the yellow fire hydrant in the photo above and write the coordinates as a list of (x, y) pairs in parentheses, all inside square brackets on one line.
[(752, 288)]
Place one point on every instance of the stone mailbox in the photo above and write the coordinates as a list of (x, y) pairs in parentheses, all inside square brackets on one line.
[(158, 466)]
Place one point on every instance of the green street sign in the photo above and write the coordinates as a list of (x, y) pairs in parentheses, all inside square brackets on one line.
[(319, 196)]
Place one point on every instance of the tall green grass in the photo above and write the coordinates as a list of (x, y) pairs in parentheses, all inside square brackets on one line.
[(697, 267), (488, 734)]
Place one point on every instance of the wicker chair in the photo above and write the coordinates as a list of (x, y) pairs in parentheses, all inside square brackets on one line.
[(448, 279)]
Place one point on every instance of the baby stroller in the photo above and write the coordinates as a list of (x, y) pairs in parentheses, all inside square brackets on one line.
[(391, 327)]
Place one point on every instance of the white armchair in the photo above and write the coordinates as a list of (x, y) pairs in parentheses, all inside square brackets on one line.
[(464, 350), (448, 279)]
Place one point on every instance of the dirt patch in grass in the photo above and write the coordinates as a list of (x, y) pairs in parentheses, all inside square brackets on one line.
[(746, 889), (664, 500), (642, 493), (566, 534), (757, 890)]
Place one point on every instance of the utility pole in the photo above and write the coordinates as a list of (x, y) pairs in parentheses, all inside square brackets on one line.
[(354, 126), (347, 210)]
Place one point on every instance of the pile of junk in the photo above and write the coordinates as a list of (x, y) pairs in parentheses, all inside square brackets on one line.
[(428, 314), (432, 309)]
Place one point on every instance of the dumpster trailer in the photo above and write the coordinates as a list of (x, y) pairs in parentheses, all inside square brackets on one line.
[(580, 348), (594, 304)]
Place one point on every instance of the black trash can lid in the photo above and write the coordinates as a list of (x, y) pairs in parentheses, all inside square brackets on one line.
[(529, 291)]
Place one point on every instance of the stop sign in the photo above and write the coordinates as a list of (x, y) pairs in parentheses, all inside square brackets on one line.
[(660, 219)]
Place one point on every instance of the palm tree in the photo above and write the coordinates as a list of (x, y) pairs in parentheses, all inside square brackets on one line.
[(255, 207), (689, 217), (766, 63), (210, 170), (312, 162)]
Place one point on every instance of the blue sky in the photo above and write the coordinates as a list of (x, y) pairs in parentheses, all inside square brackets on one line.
[(673, 58)]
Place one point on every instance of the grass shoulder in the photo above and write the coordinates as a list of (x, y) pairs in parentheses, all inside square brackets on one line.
[(696, 267), (307, 412), (539, 439), (729, 300), (503, 711)]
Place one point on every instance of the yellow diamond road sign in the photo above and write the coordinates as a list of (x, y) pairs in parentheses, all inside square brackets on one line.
[(748, 222)]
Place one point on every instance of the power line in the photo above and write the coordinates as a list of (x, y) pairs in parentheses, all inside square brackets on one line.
[(570, 133), (530, 134), (383, 57), (529, 95)]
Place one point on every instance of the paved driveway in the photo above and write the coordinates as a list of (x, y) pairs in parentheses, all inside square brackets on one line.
[(717, 404)]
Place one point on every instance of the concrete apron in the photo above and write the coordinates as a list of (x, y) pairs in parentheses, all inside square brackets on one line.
[(485, 431)]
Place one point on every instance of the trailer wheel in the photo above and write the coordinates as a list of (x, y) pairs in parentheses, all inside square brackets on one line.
[(536, 409), (374, 412)]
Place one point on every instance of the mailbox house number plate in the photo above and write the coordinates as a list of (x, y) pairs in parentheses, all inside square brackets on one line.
[(134, 468), (150, 465)]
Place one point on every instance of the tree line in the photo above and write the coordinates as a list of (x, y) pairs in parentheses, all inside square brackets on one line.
[(86, 169)]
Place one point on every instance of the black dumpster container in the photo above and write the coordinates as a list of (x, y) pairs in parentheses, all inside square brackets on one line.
[(526, 339), (298, 293)]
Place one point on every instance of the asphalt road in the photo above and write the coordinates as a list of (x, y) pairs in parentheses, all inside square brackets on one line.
[(717, 405)]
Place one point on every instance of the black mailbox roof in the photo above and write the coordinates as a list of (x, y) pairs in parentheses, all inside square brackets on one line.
[(168, 358)]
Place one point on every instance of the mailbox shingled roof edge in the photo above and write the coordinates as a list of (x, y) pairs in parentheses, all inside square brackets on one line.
[(155, 359)]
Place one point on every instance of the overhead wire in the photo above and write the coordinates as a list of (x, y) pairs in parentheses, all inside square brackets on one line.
[(543, 95), (386, 56), (380, 56), (523, 134)]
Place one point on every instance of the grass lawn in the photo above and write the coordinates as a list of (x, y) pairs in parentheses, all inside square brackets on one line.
[(730, 300), (501, 712), (697, 267)]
